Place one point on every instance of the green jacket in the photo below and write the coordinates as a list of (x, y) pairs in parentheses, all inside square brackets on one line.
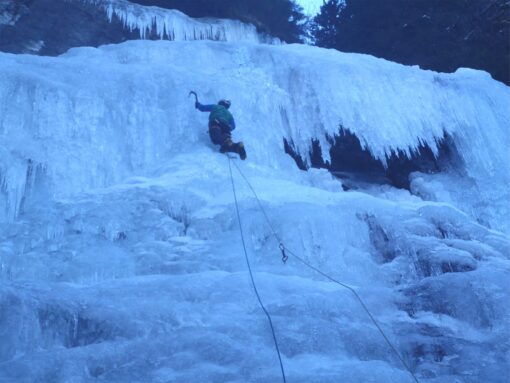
[(219, 113)]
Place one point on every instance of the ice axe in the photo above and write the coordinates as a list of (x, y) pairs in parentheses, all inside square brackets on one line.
[(194, 94)]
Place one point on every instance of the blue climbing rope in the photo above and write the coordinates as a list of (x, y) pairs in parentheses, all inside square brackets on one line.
[(251, 273), (284, 249)]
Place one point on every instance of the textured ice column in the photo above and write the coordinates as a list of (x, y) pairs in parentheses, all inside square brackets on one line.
[(175, 25), (16, 177)]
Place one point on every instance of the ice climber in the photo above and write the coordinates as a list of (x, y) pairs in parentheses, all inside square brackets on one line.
[(221, 124)]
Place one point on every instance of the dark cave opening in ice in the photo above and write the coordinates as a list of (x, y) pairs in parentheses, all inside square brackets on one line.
[(355, 165)]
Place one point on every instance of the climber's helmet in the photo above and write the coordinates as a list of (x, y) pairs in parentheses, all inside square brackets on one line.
[(225, 103)]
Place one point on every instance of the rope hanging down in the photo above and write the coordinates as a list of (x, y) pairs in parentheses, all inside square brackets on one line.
[(251, 273), (283, 248)]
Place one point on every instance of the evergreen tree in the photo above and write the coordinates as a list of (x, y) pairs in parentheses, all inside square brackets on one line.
[(441, 35), (326, 24)]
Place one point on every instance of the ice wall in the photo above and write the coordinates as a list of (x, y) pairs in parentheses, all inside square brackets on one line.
[(93, 117), (176, 26), (144, 278)]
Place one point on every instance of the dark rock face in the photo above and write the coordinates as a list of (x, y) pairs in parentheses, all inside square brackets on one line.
[(51, 27)]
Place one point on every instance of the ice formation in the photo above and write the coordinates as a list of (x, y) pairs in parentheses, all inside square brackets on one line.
[(120, 257), (390, 107), (176, 26)]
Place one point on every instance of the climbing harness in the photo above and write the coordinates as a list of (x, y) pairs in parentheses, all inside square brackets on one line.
[(285, 257), (251, 273)]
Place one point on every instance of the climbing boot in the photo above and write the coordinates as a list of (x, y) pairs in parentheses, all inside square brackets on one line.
[(241, 150), (227, 146)]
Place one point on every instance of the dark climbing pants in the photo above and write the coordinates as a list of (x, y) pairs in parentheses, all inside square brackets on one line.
[(220, 134)]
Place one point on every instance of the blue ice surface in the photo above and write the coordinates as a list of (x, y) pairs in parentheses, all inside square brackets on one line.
[(120, 254)]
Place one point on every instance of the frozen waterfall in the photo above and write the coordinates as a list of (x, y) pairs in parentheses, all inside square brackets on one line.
[(120, 256)]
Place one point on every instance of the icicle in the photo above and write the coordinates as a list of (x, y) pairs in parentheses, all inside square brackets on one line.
[(13, 183), (176, 26)]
